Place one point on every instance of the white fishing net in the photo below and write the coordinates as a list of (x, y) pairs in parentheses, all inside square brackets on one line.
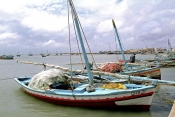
[(44, 79)]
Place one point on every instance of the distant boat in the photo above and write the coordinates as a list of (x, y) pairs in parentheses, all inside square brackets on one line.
[(18, 55), (43, 55), (109, 52), (165, 59), (56, 53), (30, 54), (47, 53), (166, 56), (6, 57)]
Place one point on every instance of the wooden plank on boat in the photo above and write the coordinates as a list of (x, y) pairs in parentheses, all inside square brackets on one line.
[(172, 112)]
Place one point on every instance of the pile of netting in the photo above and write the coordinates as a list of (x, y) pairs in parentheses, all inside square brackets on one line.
[(111, 67), (45, 79)]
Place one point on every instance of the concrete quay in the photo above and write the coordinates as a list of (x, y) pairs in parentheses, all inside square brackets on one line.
[(172, 112)]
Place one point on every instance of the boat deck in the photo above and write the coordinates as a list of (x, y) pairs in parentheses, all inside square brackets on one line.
[(172, 112)]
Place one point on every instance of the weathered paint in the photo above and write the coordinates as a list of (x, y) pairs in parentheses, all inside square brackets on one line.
[(140, 98)]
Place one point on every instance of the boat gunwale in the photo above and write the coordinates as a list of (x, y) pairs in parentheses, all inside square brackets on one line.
[(102, 92)]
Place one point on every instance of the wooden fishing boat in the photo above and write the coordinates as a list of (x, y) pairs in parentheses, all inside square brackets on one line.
[(6, 57), (164, 63), (165, 59), (60, 88), (125, 68), (169, 55), (134, 69), (153, 72), (30, 54), (43, 55), (138, 96), (18, 55), (106, 93)]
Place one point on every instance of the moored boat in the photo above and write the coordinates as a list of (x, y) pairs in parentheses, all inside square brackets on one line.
[(134, 70), (30, 54), (18, 55), (6, 57), (153, 72), (60, 87), (165, 59), (43, 55), (125, 68), (139, 96)]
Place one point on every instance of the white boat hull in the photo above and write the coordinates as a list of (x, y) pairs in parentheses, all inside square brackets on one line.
[(140, 98)]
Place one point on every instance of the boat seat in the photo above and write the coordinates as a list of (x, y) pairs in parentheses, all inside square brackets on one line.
[(80, 89)]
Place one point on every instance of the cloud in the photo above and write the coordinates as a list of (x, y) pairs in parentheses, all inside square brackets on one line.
[(3, 28), (53, 43), (37, 24), (8, 35), (156, 30), (41, 20), (18, 6), (101, 28)]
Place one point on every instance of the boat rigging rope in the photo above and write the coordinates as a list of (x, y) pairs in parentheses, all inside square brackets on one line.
[(73, 13), (71, 4), (77, 43), (93, 60), (70, 48)]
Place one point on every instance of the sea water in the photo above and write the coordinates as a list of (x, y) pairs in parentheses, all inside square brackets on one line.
[(14, 102)]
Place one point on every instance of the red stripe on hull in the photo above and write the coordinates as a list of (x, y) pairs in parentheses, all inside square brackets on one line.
[(103, 105), (95, 103)]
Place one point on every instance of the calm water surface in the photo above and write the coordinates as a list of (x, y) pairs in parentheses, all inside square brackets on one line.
[(15, 103)]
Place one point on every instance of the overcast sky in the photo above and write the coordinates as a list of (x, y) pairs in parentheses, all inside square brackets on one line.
[(35, 26)]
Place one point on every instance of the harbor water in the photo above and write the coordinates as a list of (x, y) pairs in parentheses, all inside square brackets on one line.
[(14, 102)]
